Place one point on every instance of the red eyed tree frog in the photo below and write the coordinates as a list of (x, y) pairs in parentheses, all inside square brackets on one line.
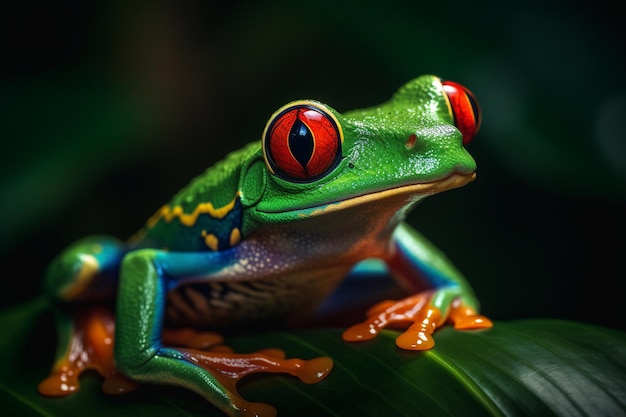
[(264, 236)]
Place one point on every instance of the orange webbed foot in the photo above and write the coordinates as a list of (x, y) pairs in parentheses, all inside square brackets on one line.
[(466, 318), (90, 348), (228, 368), (422, 317)]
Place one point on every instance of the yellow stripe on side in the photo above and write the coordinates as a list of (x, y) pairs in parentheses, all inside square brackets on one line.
[(168, 214)]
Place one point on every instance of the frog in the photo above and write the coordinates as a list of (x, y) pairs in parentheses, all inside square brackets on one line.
[(263, 237)]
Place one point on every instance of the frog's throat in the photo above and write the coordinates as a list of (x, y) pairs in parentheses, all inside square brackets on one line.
[(413, 192)]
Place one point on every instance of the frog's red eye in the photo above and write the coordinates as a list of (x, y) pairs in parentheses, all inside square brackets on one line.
[(302, 142), (464, 109)]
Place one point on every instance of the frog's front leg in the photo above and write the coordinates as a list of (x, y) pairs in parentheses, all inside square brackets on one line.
[(145, 278), (442, 295)]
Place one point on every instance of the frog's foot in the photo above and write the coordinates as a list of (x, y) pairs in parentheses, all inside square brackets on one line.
[(90, 348), (228, 368), (422, 315)]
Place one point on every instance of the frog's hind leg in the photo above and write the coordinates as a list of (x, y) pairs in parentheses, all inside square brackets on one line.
[(79, 282)]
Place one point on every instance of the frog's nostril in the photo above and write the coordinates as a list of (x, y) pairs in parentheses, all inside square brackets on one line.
[(411, 141)]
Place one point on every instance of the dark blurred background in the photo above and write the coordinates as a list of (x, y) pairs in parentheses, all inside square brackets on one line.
[(108, 108)]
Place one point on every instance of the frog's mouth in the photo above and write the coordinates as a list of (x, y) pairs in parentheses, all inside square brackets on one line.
[(410, 192)]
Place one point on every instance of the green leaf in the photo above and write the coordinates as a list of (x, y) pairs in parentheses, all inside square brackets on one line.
[(527, 367)]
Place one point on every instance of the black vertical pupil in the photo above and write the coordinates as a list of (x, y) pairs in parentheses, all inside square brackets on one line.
[(301, 142)]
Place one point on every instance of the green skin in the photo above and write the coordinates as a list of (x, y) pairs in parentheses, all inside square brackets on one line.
[(301, 239)]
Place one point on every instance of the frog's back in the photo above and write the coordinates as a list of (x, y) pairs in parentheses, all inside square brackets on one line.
[(205, 215)]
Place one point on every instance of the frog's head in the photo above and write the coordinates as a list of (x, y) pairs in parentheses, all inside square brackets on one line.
[(317, 161)]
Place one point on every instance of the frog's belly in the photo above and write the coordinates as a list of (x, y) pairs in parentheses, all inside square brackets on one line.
[(275, 300)]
